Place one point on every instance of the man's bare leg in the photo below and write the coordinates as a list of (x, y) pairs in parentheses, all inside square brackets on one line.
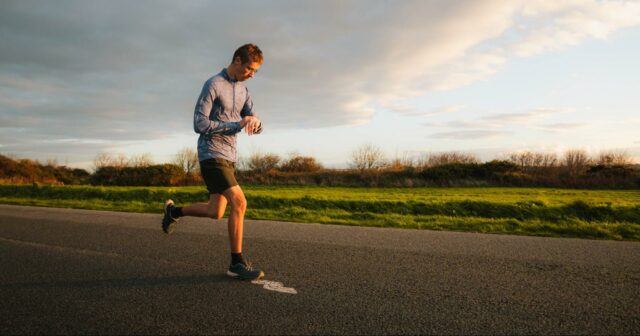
[(239, 268), (213, 209), (238, 203)]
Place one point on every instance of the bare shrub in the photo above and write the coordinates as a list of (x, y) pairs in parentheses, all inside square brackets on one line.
[(367, 156), (421, 161), (439, 159), (613, 158), (120, 161), (242, 164), (141, 160), (527, 159), (298, 163), (575, 161), (259, 162), (395, 165), (102, 160), (400, 162), (52, 163), (548, 160), (187, 159)]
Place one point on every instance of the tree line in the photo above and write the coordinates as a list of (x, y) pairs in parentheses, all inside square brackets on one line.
[(367, 166)]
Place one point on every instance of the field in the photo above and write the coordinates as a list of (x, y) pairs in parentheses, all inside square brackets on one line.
[(595, 214)]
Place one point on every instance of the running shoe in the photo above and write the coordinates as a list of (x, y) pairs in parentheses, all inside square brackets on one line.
[(168, 222), (244, 272)]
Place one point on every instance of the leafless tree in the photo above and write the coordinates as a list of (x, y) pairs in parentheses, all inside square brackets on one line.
[(120, 161), (102, 160), (142, 160), (367, 156), (529, 159), (575, 161), (187, 159), (549, 160), (614, 158)]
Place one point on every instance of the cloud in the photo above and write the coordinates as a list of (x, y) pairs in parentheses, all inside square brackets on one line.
[(410, 110), (500, 120), (520, 118), (569, 22), (463, 124), (542, 26), (464, 71), (131, 71), (468, 134), (559, 127)]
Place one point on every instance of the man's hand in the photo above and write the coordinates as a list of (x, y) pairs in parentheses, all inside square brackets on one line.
[(251, 124)]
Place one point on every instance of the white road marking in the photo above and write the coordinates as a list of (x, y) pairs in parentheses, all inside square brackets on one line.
[(275, 286)]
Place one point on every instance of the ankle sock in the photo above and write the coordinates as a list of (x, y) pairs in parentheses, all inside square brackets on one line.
[(176, 212), (237, 258)]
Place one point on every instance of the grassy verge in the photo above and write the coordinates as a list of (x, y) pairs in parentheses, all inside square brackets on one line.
[(598, 214)]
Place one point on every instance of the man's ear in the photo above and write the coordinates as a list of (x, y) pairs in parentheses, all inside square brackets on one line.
[(237, 61)]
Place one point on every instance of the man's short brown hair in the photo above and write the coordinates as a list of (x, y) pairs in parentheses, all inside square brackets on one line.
[(248, 53)]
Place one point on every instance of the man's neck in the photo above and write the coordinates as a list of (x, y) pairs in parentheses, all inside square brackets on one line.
[(232, 72)]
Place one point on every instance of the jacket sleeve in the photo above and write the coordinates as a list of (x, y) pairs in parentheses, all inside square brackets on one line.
[(247, 110), (201, 122)]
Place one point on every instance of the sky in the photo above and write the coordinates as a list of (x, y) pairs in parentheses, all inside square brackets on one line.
[(487, 77)]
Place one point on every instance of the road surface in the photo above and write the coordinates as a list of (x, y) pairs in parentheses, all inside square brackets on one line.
[(80, 271)]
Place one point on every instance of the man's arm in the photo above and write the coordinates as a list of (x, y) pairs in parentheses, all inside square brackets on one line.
[(201, 122), (247, 110)]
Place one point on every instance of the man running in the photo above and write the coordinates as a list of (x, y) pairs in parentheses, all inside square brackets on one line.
[(223, 109)]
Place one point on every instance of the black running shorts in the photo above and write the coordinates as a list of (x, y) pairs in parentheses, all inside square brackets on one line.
[(218, 174)]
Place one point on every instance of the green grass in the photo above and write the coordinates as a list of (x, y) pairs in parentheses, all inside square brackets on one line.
[(597, 214)]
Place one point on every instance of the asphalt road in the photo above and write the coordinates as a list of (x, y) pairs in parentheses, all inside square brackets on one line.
[(68, 271)]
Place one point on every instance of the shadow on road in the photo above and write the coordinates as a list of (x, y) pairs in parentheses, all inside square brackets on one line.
[(132, 282)]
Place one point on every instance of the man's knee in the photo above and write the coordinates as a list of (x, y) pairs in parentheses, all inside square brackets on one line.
[(239, 202), (236, 198)]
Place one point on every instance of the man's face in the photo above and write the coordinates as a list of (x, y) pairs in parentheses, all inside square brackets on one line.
[(248, 70)]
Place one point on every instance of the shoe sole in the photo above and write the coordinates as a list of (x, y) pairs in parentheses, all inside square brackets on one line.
[(237, 276)]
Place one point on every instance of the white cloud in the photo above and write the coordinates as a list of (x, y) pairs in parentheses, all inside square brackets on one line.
[(464, 71), (411, 110), (468, 134), (526, 117), (542, 26), (500, 120), (464, 124), (559, 127), (564, 23), (444, 110)]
